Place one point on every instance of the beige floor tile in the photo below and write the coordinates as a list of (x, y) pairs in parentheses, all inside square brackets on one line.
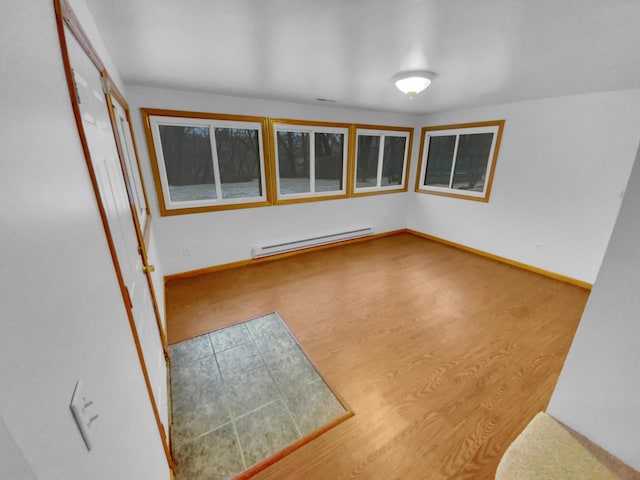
[(250, 390), (229, 337), (239, 359), (214, 456), (203, 411), (265, 432), (251, 380), (312, 405), (189, 351)]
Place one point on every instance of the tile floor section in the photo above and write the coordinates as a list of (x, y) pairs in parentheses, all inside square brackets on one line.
[(240, 395)]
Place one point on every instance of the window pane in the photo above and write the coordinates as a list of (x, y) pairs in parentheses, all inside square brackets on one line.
[(393, 160), (471, 161), (188, 162), (293, 162), (239, 162), (367, 162), (439, 160), (329, 150)]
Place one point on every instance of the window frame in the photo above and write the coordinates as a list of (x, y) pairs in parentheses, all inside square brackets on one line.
[(381, 131), (313, 127), (153, 118), (493, 126)]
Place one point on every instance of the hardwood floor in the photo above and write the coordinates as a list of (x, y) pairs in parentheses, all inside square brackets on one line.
[(443, 355)]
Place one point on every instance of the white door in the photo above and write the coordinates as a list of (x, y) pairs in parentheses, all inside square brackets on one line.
[(113, 193)]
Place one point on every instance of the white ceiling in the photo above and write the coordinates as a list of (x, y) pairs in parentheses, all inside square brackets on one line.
[(483, 51)]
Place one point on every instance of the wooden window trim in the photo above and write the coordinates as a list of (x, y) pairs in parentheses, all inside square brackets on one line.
[(353, 162), (273, 159), (147, 113), (419, 188), (270, 158)]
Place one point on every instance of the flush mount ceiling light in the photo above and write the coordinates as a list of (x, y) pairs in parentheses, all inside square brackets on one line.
[(413, 82)]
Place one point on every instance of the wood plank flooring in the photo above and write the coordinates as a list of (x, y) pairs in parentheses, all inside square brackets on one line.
[(443, 355)]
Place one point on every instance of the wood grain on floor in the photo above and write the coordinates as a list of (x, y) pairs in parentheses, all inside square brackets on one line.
[(443, 355)]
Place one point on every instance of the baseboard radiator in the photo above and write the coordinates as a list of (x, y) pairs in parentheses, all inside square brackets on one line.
[(288, 246)]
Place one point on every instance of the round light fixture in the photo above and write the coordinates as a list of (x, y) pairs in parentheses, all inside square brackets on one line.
[(414, 82)]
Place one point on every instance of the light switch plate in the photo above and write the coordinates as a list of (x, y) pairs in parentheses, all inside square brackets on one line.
[(84, 417)]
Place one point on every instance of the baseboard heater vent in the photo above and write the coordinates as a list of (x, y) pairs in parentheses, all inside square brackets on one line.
[(265, 250)]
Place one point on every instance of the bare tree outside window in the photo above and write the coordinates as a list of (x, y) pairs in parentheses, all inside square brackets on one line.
[(188, 162), (393, 160), (206, 162), (239, 162), (310, 160), (329, 152), (294, 162), (381, 159), (440, 160), (367, 161), (459, 160), (471, 161)]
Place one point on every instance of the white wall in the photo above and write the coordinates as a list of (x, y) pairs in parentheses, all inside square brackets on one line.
[(558, 184), (89, 26), (222, 237), (598, 392), (563, 165), (62, 314)]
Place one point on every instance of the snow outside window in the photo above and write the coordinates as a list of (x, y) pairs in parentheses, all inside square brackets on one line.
[(381, 160), (207, 163), (459, 160), (310, 161)]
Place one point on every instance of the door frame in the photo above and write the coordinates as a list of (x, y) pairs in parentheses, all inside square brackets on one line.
[(65, 16)]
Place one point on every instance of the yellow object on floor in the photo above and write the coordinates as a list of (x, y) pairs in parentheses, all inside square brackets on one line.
[(545, 450)]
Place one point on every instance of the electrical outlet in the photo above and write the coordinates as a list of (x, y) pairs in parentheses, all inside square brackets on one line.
[(186, 252), (539, 247), (80, 407)]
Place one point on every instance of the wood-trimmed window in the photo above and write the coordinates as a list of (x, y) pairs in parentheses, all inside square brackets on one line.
[(381, 159), (459, 160), (207, 162), (310, 160)]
